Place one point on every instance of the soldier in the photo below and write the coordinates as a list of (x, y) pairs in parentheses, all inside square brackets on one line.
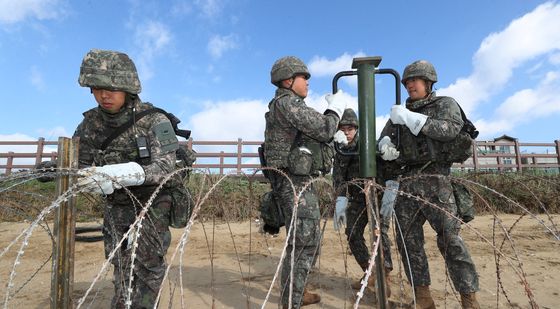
[(295, 138), (138, 159), (351, 204), (427, 124)]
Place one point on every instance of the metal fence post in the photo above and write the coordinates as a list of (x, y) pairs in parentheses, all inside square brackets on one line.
[(62, 276)]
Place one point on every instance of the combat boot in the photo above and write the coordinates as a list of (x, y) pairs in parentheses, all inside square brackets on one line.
[(310, 298), (468, 301), (424, 298)]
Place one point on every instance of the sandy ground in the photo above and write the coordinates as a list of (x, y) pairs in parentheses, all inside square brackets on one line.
[(244, 262)]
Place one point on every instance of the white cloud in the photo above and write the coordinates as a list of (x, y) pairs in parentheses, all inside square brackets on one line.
[(36, 79), (53, 133), (532, 35), (323, 67), (555, 59), (230, 120), (220, 44), (151, 37), (524, 106), (181, 8), (210, 8), (14, 11)]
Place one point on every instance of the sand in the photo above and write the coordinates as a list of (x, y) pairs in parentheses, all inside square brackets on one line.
[(240, 270)]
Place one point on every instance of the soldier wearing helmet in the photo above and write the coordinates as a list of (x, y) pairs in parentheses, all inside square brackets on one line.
[(296, 145), (428, 123), (350, 209), (139, 158)]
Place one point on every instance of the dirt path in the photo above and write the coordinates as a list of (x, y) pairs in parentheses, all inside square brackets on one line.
[(221, 283)]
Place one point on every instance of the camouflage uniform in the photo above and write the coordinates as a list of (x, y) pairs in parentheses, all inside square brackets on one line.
[(287, 115), (120, 209), (420, 155), (347, 169)]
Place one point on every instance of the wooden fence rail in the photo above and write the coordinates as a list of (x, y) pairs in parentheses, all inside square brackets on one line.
[(241, 156)]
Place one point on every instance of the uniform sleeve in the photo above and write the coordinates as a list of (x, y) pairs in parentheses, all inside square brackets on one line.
[(86, 149), (307, 120), (446, 124), (163, 144)]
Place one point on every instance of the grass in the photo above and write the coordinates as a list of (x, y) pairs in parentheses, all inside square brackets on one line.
[(237, 198)]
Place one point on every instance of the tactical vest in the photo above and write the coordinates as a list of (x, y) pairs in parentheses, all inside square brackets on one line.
[(300, 154), (420, 149)]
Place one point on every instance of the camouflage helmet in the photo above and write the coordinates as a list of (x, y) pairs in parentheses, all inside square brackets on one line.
[(109, 69), (286, 68), (422, 69), (349, 118)]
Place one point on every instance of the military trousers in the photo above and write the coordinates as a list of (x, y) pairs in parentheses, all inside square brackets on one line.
[(153, 240), (411, 215), (304, 243), (356, 222)]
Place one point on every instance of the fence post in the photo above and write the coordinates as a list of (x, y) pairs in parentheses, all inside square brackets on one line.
[(475, 155), (39, 154), (9, 163), (518, 156), (557, 142), (221, 162), (62, 275), (239, 152)]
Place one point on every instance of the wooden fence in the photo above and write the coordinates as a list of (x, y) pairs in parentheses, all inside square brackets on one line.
[(488, 156)]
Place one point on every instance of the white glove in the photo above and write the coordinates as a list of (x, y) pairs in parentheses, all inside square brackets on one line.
[(414, 121), (387, 149), (105, 179), (388, 200), (336, 103), (340, 137), (340, 212)]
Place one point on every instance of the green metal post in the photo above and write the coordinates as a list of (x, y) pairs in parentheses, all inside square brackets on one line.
[(366, 108)]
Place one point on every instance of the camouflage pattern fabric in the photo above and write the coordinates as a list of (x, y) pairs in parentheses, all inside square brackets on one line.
[(443, 124), (287, 115), (347, 169), (120, 209), (431, 144), (109, 69), (420, 69), (307, 236)]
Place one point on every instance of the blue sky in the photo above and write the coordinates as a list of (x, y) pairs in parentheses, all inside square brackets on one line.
[(208, 61)]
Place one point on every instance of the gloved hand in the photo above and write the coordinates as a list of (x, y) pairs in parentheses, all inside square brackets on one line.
[(336, 103), (388, 200), (340, 212), (105, 179), (340, 137), (387, 149), (414, 121)]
